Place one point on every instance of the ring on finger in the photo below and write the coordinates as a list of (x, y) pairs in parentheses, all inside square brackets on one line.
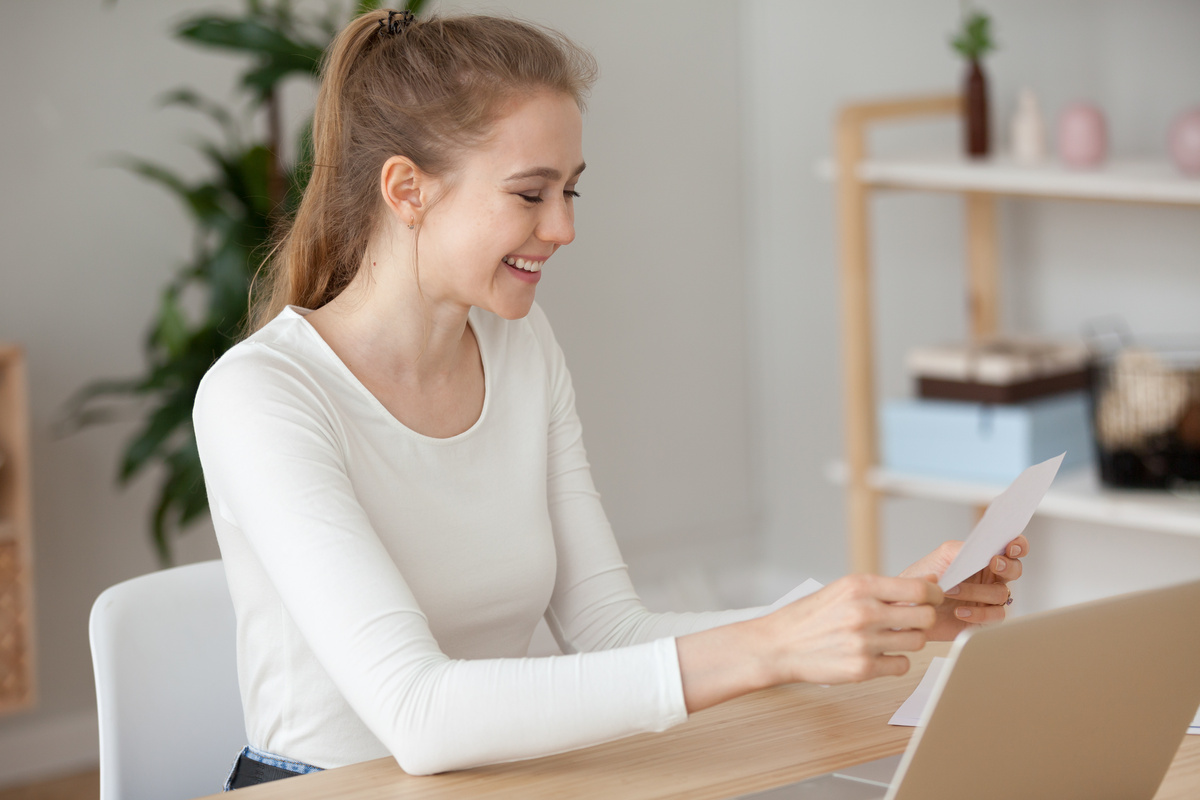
[(1008, 602)]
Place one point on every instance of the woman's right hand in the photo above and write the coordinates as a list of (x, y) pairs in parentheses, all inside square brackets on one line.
[(850, 630)]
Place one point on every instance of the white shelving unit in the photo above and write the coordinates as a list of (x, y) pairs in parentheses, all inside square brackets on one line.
[(1076, 495), (1120, 180)]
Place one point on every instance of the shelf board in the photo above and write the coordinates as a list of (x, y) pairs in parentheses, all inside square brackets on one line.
[(1145, 180), (1075, 495)]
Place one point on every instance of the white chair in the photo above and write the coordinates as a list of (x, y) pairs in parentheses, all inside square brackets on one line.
[(163, 650)]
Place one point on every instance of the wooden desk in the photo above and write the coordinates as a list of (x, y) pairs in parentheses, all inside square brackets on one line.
[(755, 742)]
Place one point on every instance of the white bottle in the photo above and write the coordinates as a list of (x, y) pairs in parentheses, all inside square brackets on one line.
[(1028, 130)]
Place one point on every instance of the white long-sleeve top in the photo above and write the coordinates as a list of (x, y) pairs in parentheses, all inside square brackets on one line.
[(387, 584)]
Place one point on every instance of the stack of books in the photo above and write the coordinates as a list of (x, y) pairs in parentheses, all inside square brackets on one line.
[(986, 411)]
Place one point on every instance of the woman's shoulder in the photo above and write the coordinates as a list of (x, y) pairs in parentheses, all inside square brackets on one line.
[(283, 354)]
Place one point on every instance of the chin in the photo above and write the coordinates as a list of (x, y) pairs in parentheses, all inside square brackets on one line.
[(513, 311)]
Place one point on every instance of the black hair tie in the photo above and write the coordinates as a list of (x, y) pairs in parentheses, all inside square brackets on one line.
[(396, 22)]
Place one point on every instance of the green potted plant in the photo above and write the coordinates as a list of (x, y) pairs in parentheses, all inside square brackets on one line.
[(973, 41), (204, 306)]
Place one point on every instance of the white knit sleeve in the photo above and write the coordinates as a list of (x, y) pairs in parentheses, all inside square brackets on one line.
[(274, 470)]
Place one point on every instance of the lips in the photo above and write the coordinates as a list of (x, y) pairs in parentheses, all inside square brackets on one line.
[(524, 274)]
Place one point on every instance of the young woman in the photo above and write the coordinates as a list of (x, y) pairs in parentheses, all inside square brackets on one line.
[(396, 470)]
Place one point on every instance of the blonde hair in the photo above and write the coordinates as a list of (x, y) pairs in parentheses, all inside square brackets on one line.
[(427, 92)]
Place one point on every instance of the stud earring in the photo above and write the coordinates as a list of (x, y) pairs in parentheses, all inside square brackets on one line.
[(412, 224)]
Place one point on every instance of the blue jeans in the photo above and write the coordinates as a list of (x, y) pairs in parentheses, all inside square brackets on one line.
[(253, 766)]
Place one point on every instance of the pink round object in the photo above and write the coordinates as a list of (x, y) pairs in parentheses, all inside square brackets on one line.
[(1082, 136), (1184, 141)]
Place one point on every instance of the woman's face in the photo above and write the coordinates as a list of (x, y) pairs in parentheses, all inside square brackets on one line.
[(509, 208)]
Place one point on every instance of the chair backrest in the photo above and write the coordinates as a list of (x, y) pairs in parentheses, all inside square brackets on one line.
[(164, 654)]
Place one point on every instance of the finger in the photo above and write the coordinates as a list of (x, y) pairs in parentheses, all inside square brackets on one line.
[(1005, 569), (993, 594), (901, 641), (980, 615), (1017, 547), (903, 590), (907, 617), (891, 665)]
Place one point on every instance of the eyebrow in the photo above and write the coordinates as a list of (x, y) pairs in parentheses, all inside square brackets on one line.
[(549, 173)]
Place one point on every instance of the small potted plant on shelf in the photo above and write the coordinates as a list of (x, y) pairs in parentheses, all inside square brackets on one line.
[(973, 41)]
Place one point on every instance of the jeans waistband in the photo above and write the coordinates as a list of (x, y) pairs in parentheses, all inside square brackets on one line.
[(253, 766), (263, 757)]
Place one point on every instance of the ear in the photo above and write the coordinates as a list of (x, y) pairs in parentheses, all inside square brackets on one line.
[(405, 189)]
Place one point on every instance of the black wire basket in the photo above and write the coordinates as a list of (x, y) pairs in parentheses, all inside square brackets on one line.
[(1146, 416)]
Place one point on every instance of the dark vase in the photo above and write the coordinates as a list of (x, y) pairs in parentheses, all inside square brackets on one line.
[(975, 112)]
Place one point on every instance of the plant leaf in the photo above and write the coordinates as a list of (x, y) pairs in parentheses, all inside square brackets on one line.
[(201, 201), (80, 410), (182, 496), (165, 421), (172, 330), (273, 69), (246, 35), (194, 100)]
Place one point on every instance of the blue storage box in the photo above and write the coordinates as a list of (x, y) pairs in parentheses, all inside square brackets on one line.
[(975, 441)]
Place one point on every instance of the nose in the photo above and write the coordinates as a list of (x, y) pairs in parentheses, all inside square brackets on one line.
[(557, 226)]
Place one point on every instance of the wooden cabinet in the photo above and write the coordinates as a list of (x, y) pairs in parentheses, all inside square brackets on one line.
[(16, 564), (979, 183)]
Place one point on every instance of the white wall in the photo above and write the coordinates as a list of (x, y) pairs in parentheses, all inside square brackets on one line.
[(648, 303), (1063, 263)]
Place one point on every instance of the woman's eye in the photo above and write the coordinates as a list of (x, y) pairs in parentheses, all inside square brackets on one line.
[(537, 198)]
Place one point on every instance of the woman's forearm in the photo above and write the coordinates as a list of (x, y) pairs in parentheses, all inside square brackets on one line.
[(722, 663)]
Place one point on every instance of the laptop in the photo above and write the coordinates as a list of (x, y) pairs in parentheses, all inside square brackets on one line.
[(1090, 701)]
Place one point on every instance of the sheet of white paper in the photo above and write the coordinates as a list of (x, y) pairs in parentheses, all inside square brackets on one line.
[(803, 590), (909, 713), (1003, 521)]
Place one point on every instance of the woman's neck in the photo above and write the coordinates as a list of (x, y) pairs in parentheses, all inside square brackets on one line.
[(381, 325)]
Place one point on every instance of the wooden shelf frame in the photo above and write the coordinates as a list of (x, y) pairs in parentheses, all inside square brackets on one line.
[(17, 662), (979, 183)]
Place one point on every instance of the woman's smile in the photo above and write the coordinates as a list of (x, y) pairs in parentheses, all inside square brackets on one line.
[(524, 269)]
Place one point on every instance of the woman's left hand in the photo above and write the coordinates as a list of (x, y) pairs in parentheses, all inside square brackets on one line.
[(981, 598)]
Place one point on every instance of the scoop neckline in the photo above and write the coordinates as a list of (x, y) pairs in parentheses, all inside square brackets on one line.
[(301, 314)]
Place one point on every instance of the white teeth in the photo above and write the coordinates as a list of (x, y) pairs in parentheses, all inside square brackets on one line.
[(520, 263)]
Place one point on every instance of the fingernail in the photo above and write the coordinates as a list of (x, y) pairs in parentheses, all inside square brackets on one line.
[(1000, 564), (964, 612), (1015, 550), (955, 590)]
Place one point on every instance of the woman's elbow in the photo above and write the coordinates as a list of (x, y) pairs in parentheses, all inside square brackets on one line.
[(426, 760)]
